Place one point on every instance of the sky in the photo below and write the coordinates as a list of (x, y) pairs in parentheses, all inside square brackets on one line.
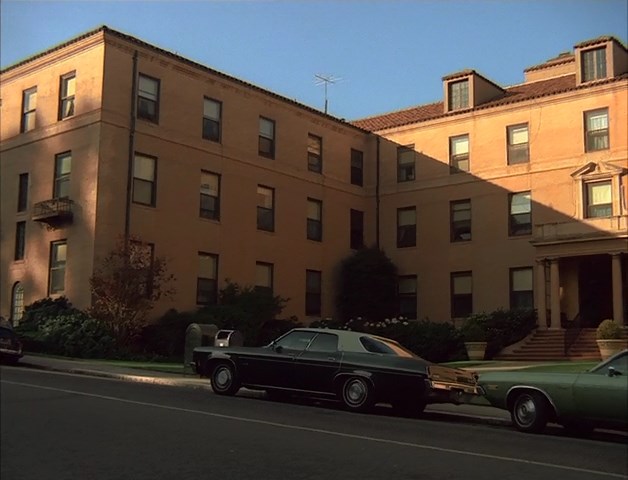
[(382, 55)]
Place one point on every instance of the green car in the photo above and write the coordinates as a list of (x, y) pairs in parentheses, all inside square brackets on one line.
[(578, 401)]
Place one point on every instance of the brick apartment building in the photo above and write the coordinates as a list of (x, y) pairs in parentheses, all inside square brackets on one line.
[(495, 197)]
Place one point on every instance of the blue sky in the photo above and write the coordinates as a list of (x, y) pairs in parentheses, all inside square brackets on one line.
[(387, 55)]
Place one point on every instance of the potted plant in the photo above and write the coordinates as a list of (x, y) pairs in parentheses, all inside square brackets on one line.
[(609, 338), (474, 337)]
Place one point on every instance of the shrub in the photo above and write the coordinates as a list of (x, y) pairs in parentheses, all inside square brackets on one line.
[(245, 309), (272, 329), (474, 328), (608, 330), (75, 334), (42, 309)]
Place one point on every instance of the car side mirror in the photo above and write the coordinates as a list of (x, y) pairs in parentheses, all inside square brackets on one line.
[(613, 372), (278, 348)]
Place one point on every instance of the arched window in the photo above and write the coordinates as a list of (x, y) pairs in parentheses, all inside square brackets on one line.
[(17, 303)]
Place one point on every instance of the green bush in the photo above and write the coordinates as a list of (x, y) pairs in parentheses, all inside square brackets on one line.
[(608, 330), (272, 329), (42, 309), (503, 327), (245, 309), (474, 328), (75, 334)]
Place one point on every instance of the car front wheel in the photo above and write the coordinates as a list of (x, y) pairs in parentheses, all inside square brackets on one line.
[(224, 379), (530, 412), (357, 394)]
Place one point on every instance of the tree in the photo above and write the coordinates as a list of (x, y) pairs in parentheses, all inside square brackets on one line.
[(126, 285), (367, 286)]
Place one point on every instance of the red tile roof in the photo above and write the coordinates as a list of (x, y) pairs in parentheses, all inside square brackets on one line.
[(517, 93)]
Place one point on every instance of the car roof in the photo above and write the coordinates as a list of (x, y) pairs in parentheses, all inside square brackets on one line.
[(348, 340)]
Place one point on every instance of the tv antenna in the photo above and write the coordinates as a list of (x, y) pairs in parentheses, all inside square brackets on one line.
[(325, 80)]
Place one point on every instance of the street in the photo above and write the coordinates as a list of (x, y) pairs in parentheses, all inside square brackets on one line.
[(63, 426)]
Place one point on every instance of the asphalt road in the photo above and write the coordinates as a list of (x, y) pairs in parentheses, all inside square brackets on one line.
[(62, 426)]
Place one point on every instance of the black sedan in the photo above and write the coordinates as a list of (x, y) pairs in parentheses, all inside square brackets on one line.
[(10, 345), (356, 368)]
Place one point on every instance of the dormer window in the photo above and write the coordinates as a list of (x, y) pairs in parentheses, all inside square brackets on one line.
[(593, 64), (458, 94)]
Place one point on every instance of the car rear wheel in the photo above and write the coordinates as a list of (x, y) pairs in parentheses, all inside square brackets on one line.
[(357, 394), (530, 412), (224, 379)]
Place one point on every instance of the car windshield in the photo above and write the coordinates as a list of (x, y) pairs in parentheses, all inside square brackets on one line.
[(619, 363), (385, 346)]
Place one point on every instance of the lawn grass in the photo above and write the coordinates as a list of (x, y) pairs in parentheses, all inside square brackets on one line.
[(563, 367)]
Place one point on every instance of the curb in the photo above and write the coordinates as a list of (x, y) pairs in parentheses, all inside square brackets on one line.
[(195, 384)]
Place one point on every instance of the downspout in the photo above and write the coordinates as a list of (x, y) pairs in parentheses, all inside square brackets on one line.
[(129, 175), (377, 161)]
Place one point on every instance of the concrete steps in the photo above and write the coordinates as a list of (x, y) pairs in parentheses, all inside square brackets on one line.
[(549, 345)]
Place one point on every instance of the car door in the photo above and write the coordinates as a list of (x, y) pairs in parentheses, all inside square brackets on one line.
[(315, 368), (601, 395), (277, 368)]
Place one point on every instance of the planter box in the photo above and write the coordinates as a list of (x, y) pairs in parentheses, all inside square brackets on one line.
[(608, 348), (475, 350)]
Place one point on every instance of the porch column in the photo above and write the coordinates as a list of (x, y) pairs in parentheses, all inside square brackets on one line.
[(618, 301), (554, 294), (539, 291)]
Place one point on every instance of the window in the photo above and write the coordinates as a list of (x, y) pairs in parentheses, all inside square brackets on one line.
[(66, 95), (264, 276), (210, 196), (144, 173), (58, 257), (314, 219), (458, 95), (461, 294), (148, 98), (593, 64), (20, 240), (63, 168), (596, 130), (459, 154), (265, 208), (357, 166), (206, 284), (405, 163), (460, 220), (312, 292), (520, 217), (29, 107), (407, 296), (17, 304), (212, 113), (406, 227), (521, 293), (599, 199), (314, 153), (324, 342), (266, 146), (357, 230), (22, 192), (518, 144), (295, 341)]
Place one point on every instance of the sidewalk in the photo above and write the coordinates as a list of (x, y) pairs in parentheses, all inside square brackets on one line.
[(471, 413)]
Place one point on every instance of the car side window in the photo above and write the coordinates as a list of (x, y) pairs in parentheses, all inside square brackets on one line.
[(296, 341), (324, 342)]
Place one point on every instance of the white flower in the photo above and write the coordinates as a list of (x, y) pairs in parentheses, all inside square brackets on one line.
[(394, 320), (405, 323)]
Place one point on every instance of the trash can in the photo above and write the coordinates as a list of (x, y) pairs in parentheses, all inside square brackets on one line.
[(228, 338), (197, 335)]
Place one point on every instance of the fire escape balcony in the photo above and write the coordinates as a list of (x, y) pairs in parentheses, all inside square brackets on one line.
[(54, 212), (583, 229)]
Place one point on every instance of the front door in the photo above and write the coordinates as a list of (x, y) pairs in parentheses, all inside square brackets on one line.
[(595, 289)]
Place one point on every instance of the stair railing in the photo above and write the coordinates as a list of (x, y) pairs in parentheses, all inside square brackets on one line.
[(572, 332)]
